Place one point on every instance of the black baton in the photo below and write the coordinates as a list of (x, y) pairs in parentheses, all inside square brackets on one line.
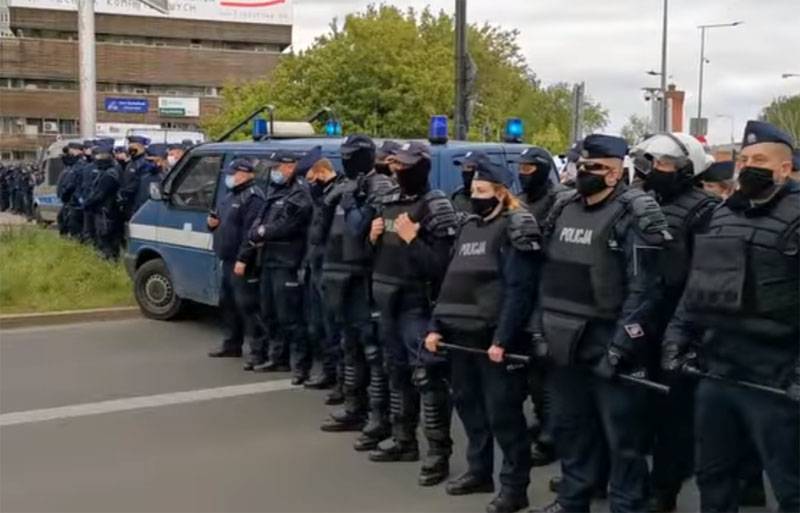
[(658, 387), (695, 372)]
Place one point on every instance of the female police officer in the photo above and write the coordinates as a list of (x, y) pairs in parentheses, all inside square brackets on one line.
[(486, 299)]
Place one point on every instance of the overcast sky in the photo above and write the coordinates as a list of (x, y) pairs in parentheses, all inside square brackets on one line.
[(610, 44)]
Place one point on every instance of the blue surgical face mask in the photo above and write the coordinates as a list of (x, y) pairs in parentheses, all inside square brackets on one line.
[(230, 183), (277, 177)]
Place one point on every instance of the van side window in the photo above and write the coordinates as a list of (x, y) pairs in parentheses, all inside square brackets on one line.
[(197, 183)]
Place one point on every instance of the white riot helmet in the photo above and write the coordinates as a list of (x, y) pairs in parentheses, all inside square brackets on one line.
[(682, 149)]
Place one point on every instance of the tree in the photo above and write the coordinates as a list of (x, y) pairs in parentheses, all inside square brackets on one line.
[(784, 112), (386, 71), (635, 128)]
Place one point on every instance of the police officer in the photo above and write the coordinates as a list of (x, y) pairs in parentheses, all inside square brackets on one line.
[(174, 153), (68, 189), (350, 205), (281, 231), (129, 184), (382, 155), (27, 184), (413, 234), (4, 188), (102, 202), (318, 173), (487, 297), (461, 196), (85, 180), (239, 291), (739, 319), (121, 157), (151, 172), (718, 179), (795, 166), (539, 193), (669, 164), (596, 285)]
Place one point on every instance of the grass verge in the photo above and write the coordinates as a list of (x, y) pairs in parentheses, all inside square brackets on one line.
[(41, 272)]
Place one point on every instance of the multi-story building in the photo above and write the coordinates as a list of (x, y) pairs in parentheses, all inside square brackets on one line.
[(153, 69)]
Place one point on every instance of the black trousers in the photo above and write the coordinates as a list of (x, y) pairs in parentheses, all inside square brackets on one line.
[(488, 398), (108, 235), (592, 415), (282, 304), (672, 418), (241, 319), (729, 420)]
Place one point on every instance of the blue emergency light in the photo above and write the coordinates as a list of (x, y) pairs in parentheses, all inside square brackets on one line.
[(437, 130), (514, 130), (333, 128), (260, 129)]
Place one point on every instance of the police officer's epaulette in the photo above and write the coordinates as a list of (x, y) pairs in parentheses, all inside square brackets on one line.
[(523, 230), (650, 220), (440, 217)]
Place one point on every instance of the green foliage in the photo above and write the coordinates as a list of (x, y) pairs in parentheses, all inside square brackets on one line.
[(39, 272), (635, 128), (784, 112), (385, 72)]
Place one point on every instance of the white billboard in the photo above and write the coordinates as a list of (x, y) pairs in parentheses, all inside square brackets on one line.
[(272, 12), (179, 107)]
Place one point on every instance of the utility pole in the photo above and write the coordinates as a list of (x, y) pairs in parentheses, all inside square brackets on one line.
[(702, 128), (461, 116), (576, 130), (663, 124), (87, 70)]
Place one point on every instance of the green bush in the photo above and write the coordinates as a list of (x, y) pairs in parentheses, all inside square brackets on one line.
[(40, 271)]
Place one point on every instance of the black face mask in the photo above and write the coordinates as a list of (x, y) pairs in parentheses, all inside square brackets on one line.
[(360, 162), (588, 184), (753, 181), (69, 160), (414, 180), (317, 188), (533, 183), (484, 206), (666, 185), (383, 168), (122, 160), (88, 158), (103, 164)]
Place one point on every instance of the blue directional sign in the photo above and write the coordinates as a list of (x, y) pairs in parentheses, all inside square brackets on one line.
[(127, 105)]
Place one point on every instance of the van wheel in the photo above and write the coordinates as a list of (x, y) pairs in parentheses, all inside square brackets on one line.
[(155, 292)]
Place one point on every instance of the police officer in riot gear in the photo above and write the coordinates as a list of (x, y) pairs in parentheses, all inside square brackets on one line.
[(461, 197), (668, 164), (718, 179), (487, 296), (281, 232), (739, 319), (352, 203), (601, 244), (85, 180), (239, 291), (539, 193), (65, 188), (413, 233), (102, 202), (122, 157)]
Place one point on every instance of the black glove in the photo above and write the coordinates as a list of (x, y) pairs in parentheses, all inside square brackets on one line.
[(608, 366)]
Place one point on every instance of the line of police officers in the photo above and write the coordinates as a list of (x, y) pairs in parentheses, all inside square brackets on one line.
[(660, 279), (101, 186), (17, 181)]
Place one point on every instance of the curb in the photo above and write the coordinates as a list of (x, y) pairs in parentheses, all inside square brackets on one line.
[(68, 317)]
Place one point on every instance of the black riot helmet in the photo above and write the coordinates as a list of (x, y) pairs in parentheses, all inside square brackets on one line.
[(358, 155)]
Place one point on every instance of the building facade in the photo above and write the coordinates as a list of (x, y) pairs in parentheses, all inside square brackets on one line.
[(151, 69)]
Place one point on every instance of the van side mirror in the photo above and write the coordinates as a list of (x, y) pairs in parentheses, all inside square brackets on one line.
[(155, 192)]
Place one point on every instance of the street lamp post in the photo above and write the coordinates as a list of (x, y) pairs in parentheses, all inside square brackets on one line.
[(703, 61), (663, 121)]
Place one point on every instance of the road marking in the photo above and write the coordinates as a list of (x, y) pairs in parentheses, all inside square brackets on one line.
[(145, 401)]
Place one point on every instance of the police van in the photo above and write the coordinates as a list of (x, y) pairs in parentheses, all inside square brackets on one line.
[(170, 254)]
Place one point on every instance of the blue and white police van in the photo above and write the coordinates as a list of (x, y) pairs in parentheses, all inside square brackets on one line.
[(170, 254)]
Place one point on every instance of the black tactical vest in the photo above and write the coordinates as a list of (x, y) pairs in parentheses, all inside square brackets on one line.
[(471, 294), (744, 274), (541, 206), (288, 252), (584, 274), (675, 257)]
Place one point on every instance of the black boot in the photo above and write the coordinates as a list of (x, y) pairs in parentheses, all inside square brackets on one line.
[(468, 483), (435, 469), (599, 492), (334, 397), (376, 430), (553, 507), (272, 366), (225, 353), (395, 450), (349, 418), (321, 382), (506, 502)]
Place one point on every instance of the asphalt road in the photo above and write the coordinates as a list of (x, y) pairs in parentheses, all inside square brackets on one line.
[(182, 449)]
